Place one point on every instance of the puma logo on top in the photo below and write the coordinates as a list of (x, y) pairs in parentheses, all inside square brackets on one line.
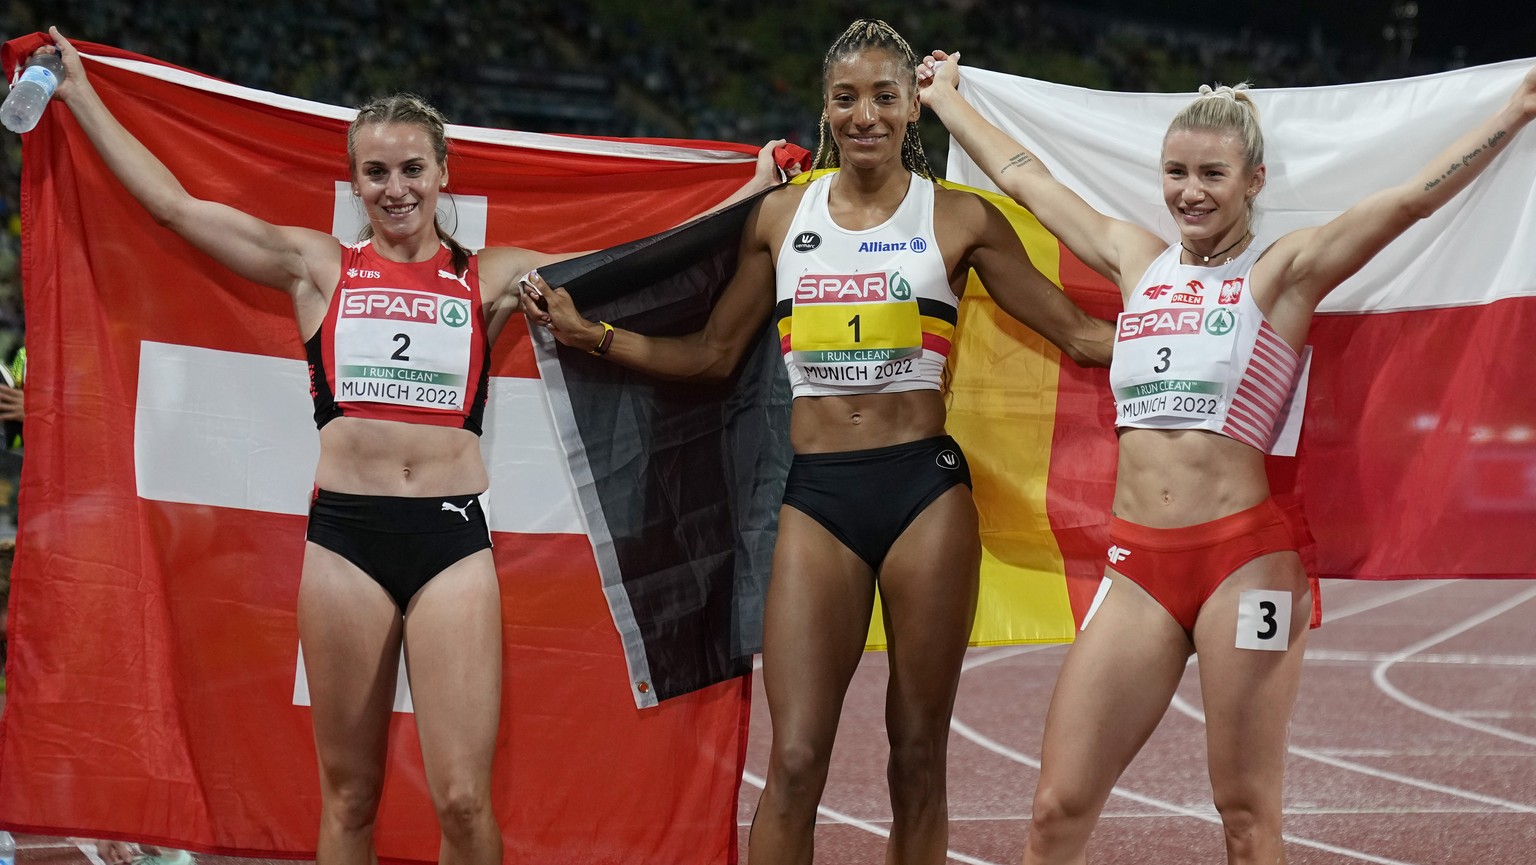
[(455, 277)]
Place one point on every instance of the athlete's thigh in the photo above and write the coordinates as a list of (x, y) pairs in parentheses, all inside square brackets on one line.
[(350, 630), (1113, 689), (453, 654), (928, 587), (814, 626), (1248, 692)]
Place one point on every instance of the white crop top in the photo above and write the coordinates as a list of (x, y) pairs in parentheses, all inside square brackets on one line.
[(1194, 351), (866, 311)]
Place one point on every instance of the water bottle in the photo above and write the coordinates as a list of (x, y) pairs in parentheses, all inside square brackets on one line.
[(25, 103), (7, 849)]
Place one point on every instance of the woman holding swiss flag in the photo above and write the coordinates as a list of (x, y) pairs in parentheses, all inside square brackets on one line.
[(397, 328)]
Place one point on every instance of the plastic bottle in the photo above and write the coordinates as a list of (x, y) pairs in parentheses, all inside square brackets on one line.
[(7, 849), (25, 103)]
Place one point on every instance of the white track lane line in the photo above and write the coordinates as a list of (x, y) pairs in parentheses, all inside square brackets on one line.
[(847, 819), (1002, 750), (1188, 709), (1379, 675)]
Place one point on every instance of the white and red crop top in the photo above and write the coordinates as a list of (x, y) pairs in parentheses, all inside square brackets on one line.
[(401, 341), (1194, 351), (866, 311)]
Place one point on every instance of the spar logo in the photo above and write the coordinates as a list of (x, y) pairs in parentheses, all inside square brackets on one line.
[(900, 288), (1231, 291), (354, 273), (1219, 322), (1191, 293), (806, 241), (1161, 322), (395, 305), (1157, 291), (454, 313), (845, 288)]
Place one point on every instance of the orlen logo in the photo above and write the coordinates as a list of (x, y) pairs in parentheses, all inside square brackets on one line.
[(1191, 293), (391, 305), (354, 273), (1231, 290), (1160, 322), (1157, 291), (841, 288)]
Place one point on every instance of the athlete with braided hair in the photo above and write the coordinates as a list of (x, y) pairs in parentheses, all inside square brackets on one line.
[(1207, 352), (862, 271)]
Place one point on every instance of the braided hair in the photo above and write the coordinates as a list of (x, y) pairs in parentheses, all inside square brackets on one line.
[(872, 34), (412, 110)]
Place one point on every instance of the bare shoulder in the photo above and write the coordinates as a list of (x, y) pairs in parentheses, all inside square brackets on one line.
[(778, 207)]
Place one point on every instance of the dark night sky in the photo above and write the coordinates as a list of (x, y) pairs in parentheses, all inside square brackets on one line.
[(1489, 31)]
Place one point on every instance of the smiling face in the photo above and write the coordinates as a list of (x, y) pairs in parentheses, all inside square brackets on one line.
[(871, 97), (1208, 186), (397, 175)]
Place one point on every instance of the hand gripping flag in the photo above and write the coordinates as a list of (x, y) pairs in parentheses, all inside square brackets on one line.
[(1417, 448), (156, 688)]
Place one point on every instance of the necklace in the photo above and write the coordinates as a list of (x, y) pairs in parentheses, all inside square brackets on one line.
[(1206, 259)]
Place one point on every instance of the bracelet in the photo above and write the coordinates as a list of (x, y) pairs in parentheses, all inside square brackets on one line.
[(605, 343)]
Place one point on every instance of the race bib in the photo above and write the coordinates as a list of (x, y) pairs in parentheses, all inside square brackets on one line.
[(402, 347), (855, 328), (1173, 362)]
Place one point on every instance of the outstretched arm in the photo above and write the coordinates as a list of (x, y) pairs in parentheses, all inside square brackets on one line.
[(711, 353), (280, 257), (1117, 249), (1323, 257), (1022, 291)]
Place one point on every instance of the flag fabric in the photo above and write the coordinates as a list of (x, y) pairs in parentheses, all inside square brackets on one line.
[(156, 690), (679, 482), (1416, 455)]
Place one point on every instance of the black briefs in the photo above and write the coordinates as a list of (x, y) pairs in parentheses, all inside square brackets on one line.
[(402, 543), (866, 499)]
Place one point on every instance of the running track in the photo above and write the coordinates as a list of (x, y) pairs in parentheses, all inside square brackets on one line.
[(1413, 743)]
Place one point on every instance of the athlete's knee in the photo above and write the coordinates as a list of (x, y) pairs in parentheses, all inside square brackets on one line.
[(462, 810), (916, 770), (1246, 820), (1060, 813), (799, 767), (352, 804)]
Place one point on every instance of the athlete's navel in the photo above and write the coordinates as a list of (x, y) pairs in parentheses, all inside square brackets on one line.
[(855, 418)]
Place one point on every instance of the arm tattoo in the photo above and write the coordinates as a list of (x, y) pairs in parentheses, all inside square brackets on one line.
[(1018, 160), (1493, 141)]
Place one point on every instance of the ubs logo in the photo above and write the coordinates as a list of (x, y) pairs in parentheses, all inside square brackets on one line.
[(354, 273), (806, 241), (948, 459)]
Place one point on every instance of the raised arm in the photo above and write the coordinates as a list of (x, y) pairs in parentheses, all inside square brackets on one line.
[(281, 257), (1020, 289), (711, 353), (1117, 249), (1316, 260)]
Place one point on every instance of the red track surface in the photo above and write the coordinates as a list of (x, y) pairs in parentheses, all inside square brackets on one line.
[(1413, 741)]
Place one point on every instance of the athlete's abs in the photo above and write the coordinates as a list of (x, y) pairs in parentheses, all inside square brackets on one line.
[(389, 458), (830, 424), (1172, 478)]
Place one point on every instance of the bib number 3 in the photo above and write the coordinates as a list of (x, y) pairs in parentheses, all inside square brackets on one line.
[(1264, 620)]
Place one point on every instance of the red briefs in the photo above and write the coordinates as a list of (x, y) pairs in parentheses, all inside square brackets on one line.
[(1181, 567)]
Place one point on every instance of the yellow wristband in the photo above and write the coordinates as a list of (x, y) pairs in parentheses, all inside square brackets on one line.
[(605, 343)]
